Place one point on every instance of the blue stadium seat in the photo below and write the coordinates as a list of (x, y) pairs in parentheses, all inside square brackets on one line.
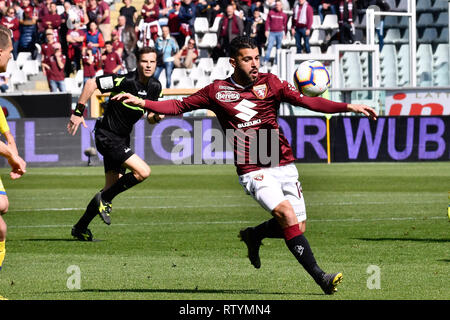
[(442, 20), (440, 5), (429, 36), (425, 20), (423, 6)]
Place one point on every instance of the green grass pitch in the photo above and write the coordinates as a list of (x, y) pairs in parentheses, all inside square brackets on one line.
[(384, 225)]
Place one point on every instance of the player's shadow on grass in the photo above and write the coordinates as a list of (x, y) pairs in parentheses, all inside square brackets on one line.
[(209, 291), (430, 240)]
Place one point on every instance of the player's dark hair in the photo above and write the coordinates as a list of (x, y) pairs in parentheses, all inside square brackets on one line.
[(145, 50), (241, 42), (5, 37)]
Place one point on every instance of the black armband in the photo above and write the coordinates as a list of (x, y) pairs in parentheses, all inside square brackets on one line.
[(79, 110)]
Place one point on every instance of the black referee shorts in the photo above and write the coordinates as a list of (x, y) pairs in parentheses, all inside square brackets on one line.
[(114, 149)]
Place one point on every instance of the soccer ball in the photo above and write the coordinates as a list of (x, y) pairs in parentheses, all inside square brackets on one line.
[(311, 78)]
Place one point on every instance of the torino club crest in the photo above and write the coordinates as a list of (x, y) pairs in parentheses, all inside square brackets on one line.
[(260, 91)]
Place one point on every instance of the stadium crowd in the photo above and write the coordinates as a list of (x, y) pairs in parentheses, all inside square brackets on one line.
[(75, 35)]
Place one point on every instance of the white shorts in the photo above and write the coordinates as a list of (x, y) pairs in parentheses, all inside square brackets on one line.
[(269, 187)]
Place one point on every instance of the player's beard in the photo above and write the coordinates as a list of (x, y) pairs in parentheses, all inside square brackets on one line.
[(246, 79)]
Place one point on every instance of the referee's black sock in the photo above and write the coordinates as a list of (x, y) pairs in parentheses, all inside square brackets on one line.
[(299, 246), (268, 229), (89, 214), (124, 183)]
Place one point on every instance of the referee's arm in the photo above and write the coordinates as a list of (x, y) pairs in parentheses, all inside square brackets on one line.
[(77, 117)]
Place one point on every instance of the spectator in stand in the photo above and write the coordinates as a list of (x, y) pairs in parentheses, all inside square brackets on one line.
[(127, 36), (80, 11), (65, 17), (43, 9), (94, 37), (150, 15), (257, 5), (117, 44), (112, 63), (90, 64), (28, 28), (12, 23), (230, 27), (276, 28), (129, 12), (315, 5), (255, 29), (346, 23), (104, 23), (327, 7), (52, 20), (207, 9), (94, 12), (186, 57), (174, 23), (165, 47), (48, 47), (187, 18), (75, 39), (55, 70), (302, 20)]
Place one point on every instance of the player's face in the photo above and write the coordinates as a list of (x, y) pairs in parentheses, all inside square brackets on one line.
[(246, 65), (5, 55), (147, 64)]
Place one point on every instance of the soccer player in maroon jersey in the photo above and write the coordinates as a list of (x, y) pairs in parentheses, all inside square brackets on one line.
[(250, 100)]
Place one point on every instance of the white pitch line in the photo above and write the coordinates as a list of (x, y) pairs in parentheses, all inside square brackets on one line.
[(233, 222)]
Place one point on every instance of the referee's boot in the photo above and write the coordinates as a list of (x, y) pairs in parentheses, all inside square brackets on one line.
[(247, 235), (330, 281), (82, 235), (104, 208)]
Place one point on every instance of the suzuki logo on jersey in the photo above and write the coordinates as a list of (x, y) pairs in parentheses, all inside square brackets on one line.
[(227, 96), (246, 111)]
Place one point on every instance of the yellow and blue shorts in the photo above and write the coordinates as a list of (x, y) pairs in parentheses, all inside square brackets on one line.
[(2, 188)]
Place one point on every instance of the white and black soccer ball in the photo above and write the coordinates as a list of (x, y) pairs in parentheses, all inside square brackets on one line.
[(311, 78)]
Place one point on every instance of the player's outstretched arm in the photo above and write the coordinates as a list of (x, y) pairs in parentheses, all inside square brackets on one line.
[(17, 164), (130, 99), (361, 108), (77, 117)]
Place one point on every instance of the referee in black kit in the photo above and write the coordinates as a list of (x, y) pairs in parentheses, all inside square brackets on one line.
[(112, 135)]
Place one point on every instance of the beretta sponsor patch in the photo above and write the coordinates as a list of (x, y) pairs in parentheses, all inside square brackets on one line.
[(227, 96)]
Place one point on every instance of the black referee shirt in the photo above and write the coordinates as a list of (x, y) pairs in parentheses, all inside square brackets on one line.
[(119, 117)]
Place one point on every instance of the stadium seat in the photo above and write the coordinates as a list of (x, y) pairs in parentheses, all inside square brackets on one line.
[(317, 37), (392, 36), (330, 21), (216, 24), (218, 73), (207, 41), (426, 20), (179, 73), (12, 66), (403, 60), (185, 83), (443, 36), (30, 68), (202, 81), (402, 6), (440, 6), (22, 57), (441, 55), (424, 65), (17, 77), (195, 73), (388, 66), (79, 78), (316, 22), (442, 20), (390, 22), (441, 75), (423, 6), (201, 25), (403, 23), (429, 36), (207, 64)]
